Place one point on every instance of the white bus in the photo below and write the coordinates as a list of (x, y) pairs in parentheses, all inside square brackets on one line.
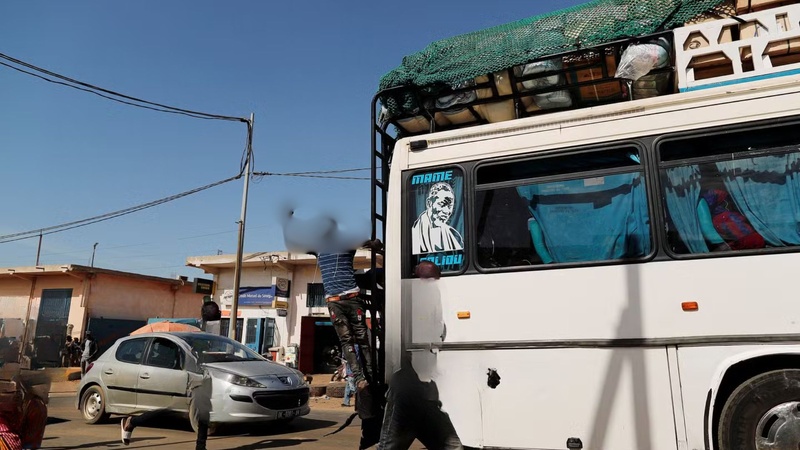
[(615, 277)]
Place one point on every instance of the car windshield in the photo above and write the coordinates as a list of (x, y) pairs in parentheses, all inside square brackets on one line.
[(211, 349)]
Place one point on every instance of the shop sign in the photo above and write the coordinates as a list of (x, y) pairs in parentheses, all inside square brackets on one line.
[(256, 296), (282, 286), (203, 286)]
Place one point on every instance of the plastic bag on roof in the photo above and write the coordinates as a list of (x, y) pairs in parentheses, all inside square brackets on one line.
[(548, 65), (639, 59)]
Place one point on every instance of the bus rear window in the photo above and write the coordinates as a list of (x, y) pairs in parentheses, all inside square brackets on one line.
[(596, 212), (435, 230)]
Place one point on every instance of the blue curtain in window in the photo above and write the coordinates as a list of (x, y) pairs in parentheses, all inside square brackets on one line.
[(682, 194), (592, 219), (766, 190)]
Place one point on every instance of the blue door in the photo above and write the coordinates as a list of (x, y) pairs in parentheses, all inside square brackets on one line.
[(51, 326), (253, 333), (268, 336)]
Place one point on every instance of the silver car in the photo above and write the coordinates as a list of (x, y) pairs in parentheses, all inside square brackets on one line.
[(156, 370)]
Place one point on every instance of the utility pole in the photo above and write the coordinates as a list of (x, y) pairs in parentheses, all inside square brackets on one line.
[(39, 248), (94, 247), (237, 272)]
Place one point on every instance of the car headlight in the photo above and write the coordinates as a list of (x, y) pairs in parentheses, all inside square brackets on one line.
[(240, 380), (302, 379)]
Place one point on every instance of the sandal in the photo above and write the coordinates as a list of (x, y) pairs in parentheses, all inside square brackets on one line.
[(126, 435)]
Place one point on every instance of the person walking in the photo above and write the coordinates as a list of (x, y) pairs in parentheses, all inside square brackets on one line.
[(199, 390), (89, 352), (66, 353), (350, 385), (75, 353)]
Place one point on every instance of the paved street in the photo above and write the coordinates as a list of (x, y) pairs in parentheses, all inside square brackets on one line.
[(66, 431)]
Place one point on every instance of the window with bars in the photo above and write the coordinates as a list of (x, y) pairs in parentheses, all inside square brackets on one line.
[(315, 295)]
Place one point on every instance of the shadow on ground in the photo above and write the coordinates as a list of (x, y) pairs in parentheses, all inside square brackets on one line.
[(55, 420), (272, 443), (275, 428), (110, 444)]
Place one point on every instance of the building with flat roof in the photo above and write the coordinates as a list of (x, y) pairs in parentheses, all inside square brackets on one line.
[(55, 301)]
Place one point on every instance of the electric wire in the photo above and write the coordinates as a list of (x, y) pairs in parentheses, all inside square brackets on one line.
[(86, 87), (91, 220), (329, 177), (317, 174)]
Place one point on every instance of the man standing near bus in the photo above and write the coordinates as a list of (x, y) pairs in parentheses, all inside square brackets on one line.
[(89, 351), (413, 409), (334, 247)]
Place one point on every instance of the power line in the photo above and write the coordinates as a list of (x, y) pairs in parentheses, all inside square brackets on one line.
[(91, 220), (317, 174), (329, 177), (109, 94)]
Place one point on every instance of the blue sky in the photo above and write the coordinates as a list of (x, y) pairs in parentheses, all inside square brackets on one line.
[(307, 70)]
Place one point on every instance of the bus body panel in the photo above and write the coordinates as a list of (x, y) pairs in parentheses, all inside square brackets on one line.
[(609, 398), (602, 303), (702, 369), (557, 335)]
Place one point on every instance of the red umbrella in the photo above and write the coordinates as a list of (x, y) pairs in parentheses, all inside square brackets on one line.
[(166, 326)]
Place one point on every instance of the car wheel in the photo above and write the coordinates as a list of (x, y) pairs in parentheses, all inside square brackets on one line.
[(330, 358), (213, 428), (763, 413), (93, 405)]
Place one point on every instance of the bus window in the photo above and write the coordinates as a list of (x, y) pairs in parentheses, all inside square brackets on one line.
[(436, 218), (563, 210), (732, 201)]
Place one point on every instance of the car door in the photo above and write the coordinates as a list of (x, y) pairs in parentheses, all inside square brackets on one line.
[(162, 379), (120, 374)]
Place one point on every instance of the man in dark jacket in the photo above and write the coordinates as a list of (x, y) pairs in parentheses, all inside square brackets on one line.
[(89, 351)]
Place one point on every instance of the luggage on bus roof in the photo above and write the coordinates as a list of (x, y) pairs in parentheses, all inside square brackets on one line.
[(459, 59)]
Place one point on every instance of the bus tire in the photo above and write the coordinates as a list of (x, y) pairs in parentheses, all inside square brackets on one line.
[(763, 412)]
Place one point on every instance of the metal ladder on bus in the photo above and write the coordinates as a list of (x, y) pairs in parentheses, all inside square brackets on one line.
[(381, 147)]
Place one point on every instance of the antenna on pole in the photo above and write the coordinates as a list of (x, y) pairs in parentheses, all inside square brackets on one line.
[(237, 273)]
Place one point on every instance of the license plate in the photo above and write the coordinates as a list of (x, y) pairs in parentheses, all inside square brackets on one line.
[(288, 414)]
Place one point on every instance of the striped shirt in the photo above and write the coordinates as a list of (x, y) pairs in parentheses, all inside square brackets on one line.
[(338, 276)]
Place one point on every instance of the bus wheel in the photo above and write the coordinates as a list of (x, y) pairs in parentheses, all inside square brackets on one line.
[(763, 413)]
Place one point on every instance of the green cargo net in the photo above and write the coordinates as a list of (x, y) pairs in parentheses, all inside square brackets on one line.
[(458, 59)]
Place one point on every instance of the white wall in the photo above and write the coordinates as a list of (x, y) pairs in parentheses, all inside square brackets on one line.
[(255, 277)]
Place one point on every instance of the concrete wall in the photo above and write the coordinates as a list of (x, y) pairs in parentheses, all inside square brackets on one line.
[(287, 328), (116, 297), (101, 295), (255, 277), (14, 294)]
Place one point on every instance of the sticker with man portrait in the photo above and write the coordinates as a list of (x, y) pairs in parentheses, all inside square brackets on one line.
[(436, 230)]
